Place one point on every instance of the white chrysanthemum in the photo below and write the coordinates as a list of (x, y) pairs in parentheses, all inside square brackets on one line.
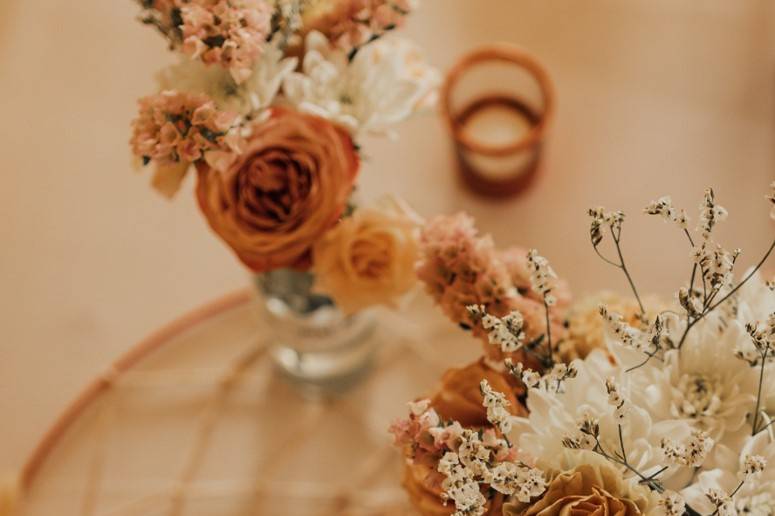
[(554, 417), (704, 385), (723, 474), (255, 93), (672, 504), (387, 81), (755, 302)]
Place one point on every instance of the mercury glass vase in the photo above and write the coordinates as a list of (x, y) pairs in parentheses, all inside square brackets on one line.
[(312, 342)]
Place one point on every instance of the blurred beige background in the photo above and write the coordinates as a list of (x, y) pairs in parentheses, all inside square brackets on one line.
[(655, 96)]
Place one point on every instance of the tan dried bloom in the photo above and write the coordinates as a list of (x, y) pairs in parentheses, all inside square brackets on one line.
[(595, 488), (586, 328)]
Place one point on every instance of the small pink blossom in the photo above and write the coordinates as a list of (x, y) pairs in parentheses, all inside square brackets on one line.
[(461, 268), (173, 127), (231, 33), (364, 20), (447, 436)]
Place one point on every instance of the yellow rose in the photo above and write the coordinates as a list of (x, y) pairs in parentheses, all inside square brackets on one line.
[(369, 258)]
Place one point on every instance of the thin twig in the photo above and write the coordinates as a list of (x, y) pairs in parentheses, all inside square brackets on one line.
[(623, 266), (733, 493), (689, 236), (610, 262), (621, 444), (765, 427), (745, 280), (759, 394), (548, 330), (649, 356), (715, 305), (658, 472), (651, 482)]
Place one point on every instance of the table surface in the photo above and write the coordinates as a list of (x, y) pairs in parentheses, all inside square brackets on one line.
[(655, 97), (196, 428)]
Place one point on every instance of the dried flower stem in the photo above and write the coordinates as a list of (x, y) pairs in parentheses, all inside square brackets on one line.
[(754, 431), (710, 305), (649, 356), (621, 444), (769, 424), (653, 483), (617, 239), (694, 265), (548, 332), (732, 495), (689, 236), (610, 262), (748, 277)]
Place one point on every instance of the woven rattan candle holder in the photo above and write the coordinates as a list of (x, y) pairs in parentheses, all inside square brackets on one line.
[(505, 161)]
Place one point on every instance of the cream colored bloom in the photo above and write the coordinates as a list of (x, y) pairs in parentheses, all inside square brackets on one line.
[(756, 497), (257, 92), (386, 82), (555, 416), (586, 329), (592, 488), (755, 302), (705, 385), (369, 258)]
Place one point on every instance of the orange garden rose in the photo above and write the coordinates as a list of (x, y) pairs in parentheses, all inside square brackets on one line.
[(288, 187), (368, 258), (459, 396)]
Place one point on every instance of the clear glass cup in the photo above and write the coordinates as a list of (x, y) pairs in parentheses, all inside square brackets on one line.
[(312, 342)]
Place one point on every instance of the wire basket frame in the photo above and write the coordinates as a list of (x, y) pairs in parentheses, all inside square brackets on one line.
[(171, 430)]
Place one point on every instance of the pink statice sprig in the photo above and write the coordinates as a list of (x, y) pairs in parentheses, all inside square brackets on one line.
[(175, 129), (367, 20), (229, 33)]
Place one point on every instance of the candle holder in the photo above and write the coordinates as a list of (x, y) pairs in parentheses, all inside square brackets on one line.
[(498, 102)]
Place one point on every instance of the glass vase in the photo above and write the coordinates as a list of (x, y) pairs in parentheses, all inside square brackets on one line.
[(312, 342)]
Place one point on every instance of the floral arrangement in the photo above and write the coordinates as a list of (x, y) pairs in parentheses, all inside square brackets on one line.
[(613, 405), (266, 104)]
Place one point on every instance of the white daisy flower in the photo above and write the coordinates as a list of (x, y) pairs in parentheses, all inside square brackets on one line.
[(385, 83), (255, 93)]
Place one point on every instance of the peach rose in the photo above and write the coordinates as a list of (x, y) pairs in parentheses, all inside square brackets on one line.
[(459, 397), (288, 187), (589, 489), (368, 258)]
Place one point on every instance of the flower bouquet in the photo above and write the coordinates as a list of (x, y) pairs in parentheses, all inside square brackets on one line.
[(266, 104), (614, 405)]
